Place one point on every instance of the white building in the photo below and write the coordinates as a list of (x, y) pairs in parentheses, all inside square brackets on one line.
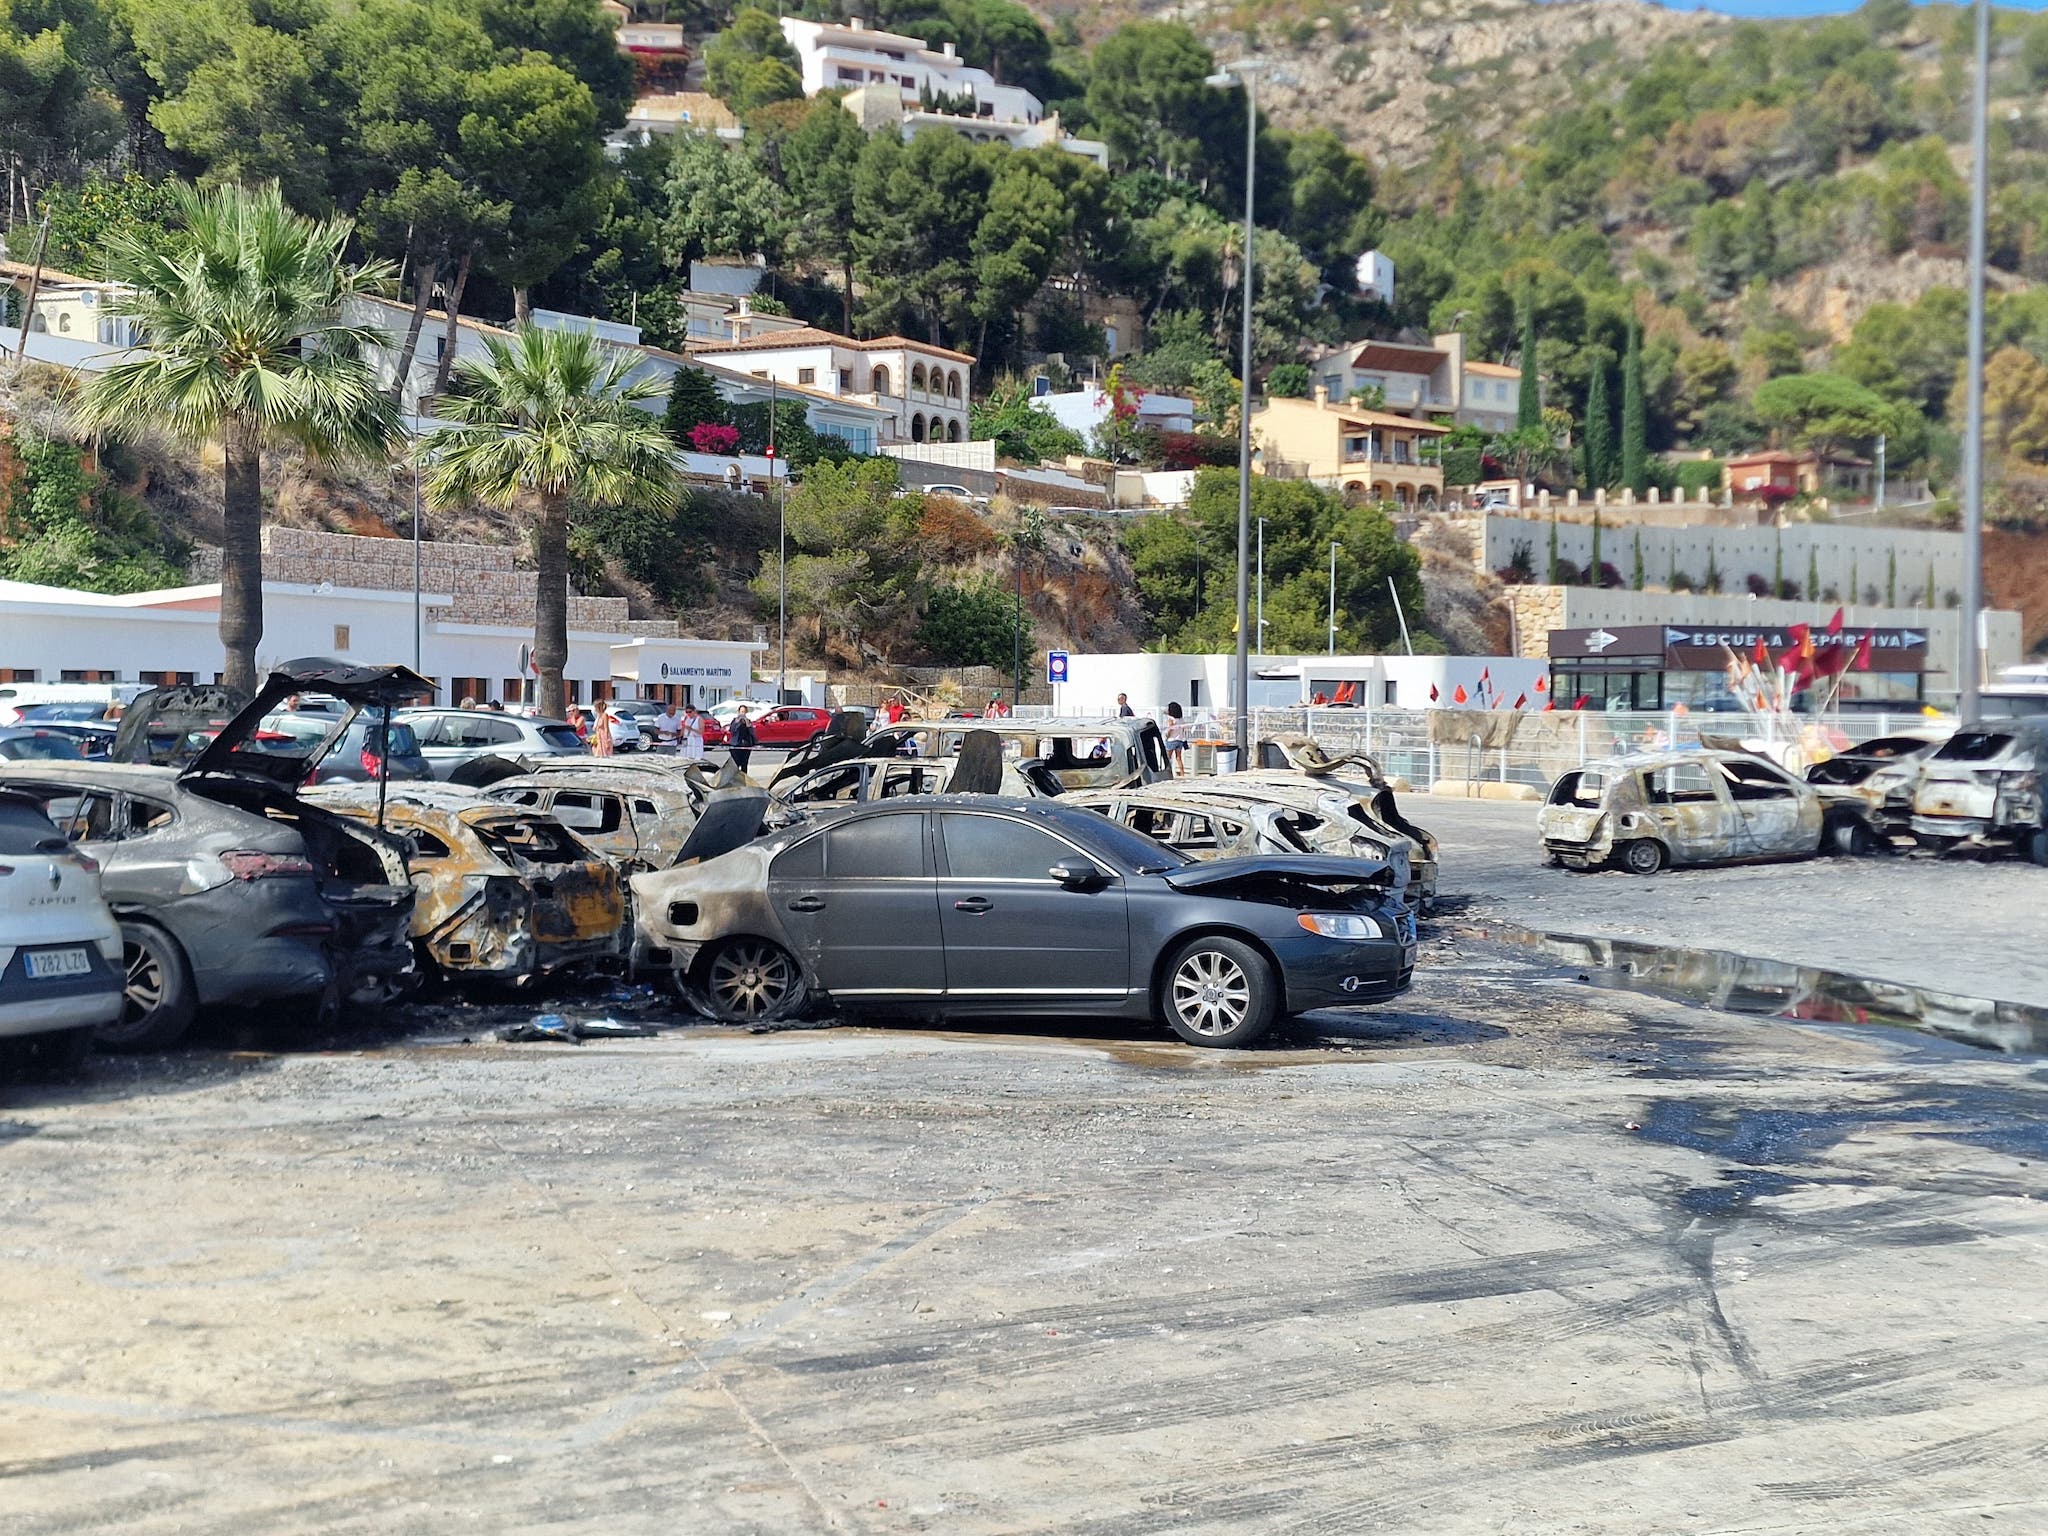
[(1083, 410), (55, 634), (1203, 682), (1376, 276), (1418, 380), (893, 80), (923, 389)]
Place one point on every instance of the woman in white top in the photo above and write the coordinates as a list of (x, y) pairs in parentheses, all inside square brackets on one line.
[(693, 734), (1177, 739)]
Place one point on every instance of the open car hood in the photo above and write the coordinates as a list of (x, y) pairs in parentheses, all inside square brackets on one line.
[(1313, 870), (236, 750), (730, 818), (171, 726)]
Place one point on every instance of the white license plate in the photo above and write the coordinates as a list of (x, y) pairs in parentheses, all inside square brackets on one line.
[(45, 963), (1408, 955)]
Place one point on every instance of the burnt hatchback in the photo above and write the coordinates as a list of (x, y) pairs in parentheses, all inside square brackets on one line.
[(968, 904), (1984, 789)]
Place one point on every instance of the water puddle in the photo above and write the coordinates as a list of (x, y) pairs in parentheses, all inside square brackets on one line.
[(1776, 989)]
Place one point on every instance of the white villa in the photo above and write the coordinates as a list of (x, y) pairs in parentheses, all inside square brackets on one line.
[(923, 387)]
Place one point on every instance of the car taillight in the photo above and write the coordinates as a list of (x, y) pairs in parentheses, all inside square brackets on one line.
[(249, 864), (372, 763)]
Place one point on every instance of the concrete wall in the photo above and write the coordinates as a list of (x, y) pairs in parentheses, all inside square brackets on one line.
[(1843, 552)]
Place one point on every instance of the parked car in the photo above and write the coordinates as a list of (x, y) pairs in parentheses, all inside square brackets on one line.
[(69, 712), (504, 892), (1651, 810), (17, 698), (1984, 788), (958, 904), (230, 888), (784, 725), (1879, 778), (37, 743), (348, 749), (93, 738), (60, 948), (643, 713), (448, 738)]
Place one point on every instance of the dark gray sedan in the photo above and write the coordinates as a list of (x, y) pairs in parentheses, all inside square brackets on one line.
[(976, 904)]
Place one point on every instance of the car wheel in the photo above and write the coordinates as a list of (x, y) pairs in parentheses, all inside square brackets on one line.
[(1218, 992), (1851, 838), (751, 981), (157, 1002), (1644, 856)]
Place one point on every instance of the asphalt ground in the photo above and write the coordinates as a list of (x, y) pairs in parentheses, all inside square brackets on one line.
[(1517, 1254)]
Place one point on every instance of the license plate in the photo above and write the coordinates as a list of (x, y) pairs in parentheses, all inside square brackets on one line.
[(1408, 955), (42, 964)]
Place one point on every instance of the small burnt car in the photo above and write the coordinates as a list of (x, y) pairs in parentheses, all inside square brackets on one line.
[(504, 893), (1055, 755), (950, 905), (1986, 787), (1875, 780), (1650, 810), (638, 814)]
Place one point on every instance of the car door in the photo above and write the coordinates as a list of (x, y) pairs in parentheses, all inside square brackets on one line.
[(1011, 930), (859, 905), (1777, 814), (599, 819), (1692, 812)]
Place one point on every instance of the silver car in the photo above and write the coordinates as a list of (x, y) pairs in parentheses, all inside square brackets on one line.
[(448, 738)]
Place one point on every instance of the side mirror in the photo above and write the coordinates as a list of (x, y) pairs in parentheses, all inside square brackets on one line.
[(1077, 875)]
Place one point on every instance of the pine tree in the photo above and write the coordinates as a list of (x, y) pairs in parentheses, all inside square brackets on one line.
[(1529, 405), (1639, 560), (1602, 468), (1635, 445)]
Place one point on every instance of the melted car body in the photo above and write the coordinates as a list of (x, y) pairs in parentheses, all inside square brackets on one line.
[(503, 892), (1878, 779), (636, 814), (1072, 753), (1694, 807), (1983, 788)]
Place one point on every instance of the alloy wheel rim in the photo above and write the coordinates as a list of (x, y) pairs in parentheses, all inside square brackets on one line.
[(144, 989), (750, 979), (1211, 993)]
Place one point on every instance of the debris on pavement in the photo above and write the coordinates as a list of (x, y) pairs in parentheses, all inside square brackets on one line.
[(554, 1028)]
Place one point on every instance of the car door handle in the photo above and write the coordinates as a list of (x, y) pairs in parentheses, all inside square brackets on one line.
[(972, 904), (808, 904)]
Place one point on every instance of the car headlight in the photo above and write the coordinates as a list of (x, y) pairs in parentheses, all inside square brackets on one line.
[(1341, 925)]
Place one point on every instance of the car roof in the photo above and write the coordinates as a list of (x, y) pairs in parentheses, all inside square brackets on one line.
[(1632, 762), (98, 772)]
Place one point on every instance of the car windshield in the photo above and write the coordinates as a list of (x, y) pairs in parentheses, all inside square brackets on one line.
[(1974, 746), (1888, 746), (1133, 850)]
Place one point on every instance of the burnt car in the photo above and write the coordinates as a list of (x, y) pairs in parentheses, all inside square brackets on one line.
[(1055, 754), (1219, 818), (1301, 765), (504, 893), (229, 888), (953, 905), (637, 814), (1876, 780), (856, 782), (1983, 789), (1650, 810), (354, 747)]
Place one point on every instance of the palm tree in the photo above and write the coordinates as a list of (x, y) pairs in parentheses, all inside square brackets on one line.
[(245, 341), (550, 418)]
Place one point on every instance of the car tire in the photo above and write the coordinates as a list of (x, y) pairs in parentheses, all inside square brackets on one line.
[(159, 999), (751, 981), (1849, 837), (1643, 856), (1219, 992)]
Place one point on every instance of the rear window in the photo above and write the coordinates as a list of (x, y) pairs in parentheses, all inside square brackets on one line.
[(402, 741), (24, 829), (563, 736), (44, 746), (1975, 746)]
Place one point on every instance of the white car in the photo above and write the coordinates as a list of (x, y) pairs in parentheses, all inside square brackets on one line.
[(60, 949)]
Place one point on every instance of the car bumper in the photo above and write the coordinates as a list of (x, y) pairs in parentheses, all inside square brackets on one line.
[(66, 1002), (1342, 973)]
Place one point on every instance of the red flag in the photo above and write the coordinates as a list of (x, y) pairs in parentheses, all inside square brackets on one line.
[(1582, 701), (1460, 696), (1521, 699), (1835, 624), (1862, 659), (1542, 684), (1802, 637), (1762, 654), (1433, 694), (1486, 674), (1550, 708), (1346, 693)]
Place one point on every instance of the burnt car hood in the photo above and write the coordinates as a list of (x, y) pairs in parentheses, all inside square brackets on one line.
[(1314, 870), (234, 750), (731, 818), (157, 724)]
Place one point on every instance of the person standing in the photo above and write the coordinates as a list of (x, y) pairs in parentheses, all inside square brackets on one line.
[(1123, 707), (1177, 739), (893, 710), (601, 730), (668, 726), (579, 724), (693, 734), (740, 740)]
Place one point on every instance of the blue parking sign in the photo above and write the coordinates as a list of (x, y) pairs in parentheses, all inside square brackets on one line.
[(1055, 666)]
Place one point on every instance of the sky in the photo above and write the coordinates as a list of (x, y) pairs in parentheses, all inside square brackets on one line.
[(1811, 7)]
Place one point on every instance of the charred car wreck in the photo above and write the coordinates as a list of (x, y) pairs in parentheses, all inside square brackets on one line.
[(961, 904), (1986, 788), (504, 893)]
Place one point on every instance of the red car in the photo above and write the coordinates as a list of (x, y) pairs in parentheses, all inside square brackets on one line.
[(787, 725)]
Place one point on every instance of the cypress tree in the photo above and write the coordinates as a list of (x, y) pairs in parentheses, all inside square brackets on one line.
[(1635, 431), (1639, 560), (1529, 404), (1778, 567), (1855, 591), (1602, 466), (1891, 579), (1930, 584), (1553, 549), (1593, 567), (1812, 575), (1713, 571)]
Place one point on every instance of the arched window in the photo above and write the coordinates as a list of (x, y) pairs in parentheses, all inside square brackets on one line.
[(881, 380), (917, 376), (952, 431), (917, 428), (952, 386)]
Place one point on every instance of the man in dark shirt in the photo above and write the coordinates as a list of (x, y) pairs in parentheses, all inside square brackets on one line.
[(739, 740)]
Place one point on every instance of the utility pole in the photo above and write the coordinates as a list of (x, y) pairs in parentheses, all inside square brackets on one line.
[(1967, 668), (1017, 637), (1333, 597), (1880, 471), (417, 628), (1261, 646), (781, 558)]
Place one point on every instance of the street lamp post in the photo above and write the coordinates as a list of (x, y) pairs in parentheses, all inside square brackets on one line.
[(1261, 623), (416, 627), (1243, 73), (1967, 660), (781, 559), (1333, 597)]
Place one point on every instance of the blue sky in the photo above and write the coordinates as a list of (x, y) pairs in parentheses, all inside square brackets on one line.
[(1812, 7)]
